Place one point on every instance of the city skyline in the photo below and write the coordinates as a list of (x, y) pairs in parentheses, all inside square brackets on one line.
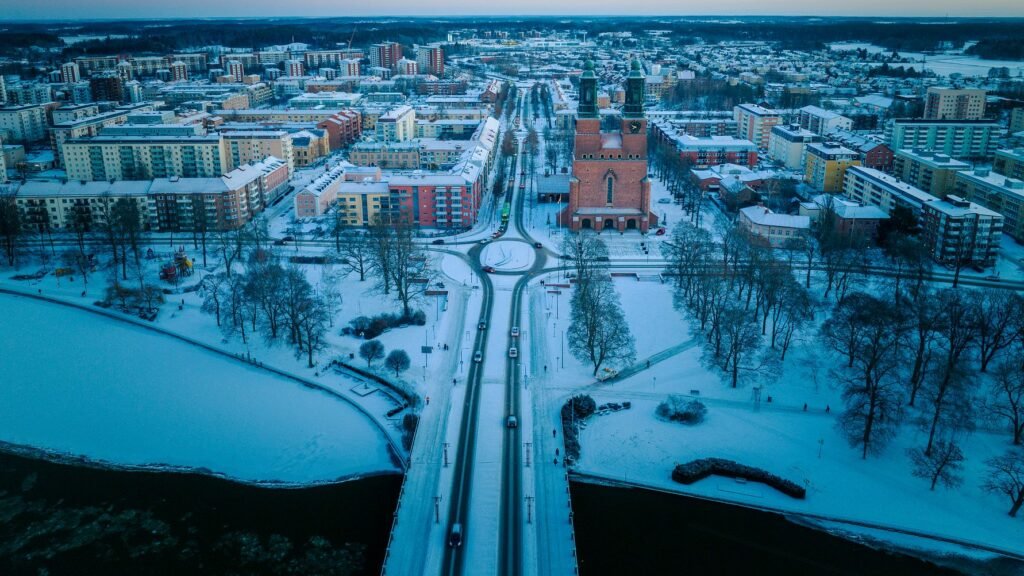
[(70, 9)]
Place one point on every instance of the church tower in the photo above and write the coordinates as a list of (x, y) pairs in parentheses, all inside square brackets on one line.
[(609, 189)]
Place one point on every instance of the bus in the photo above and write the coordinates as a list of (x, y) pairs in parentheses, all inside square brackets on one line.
[(505, 209)]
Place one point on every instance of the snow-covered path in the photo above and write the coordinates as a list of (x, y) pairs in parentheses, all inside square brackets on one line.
[(113, 392)]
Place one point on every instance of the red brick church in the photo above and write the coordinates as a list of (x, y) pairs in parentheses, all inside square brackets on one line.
[(609, 188)]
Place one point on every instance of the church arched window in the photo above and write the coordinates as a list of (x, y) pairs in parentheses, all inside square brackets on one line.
[(611, 189)]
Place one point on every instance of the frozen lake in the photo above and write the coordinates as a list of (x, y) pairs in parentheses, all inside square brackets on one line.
[(941, 64)]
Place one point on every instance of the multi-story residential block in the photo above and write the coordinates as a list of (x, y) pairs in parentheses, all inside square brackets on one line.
[(873, 187), (251, 146), (50, 205), (407, 67), (144, 158), (430, 59), (873, 153), (317, 198), (148, 66), (107, 87), (69, 73), (1010, 163), (72, 122), (825, 165), (29, 93), (962, 139), (343, 127), (24, 123), (933, 173), (957, 231), (179, 71), (397, 125), (348, 67), (787, 145), (308, 146), (235, 69), (323, 58), (89, 65), (294, 68), (821, 121), (705, 152), (1017, 120), (996, 192), (954, 104), (385, 55), (754, 123)]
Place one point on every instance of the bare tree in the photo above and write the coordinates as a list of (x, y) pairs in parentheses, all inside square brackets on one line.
[(398, 360), (212, 288), (81, 264), (588, 255), (958, 329), (10, 226), (599, 332), (312, 326), (998, 313), (371, 350), (943, 465), (870, 385), (357, 255), (410, 267), (741, 338), (925, 321), (1006, 477), (1007, 391)]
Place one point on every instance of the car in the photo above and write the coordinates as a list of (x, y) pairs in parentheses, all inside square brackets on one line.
[(482, 326), (485, 240), (511, 422), (489, 269), (279, 242), (515, 331), (660, 232), (513, 352), (664, 201), (496, 235), (522, 185), (455, 535), (538, 245), (993, 277), (438, 241), (478, 356), (288, 238)]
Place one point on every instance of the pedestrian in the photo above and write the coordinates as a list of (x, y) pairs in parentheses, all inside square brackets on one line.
[(545, 367), (554, 432), (453, 381), (428, 400), (556, 451), (556, 462), (828, 409), (805, 406), (648, 363)]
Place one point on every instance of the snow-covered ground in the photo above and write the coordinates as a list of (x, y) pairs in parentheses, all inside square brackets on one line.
[(83, 385), (508, 256), (635, 446)]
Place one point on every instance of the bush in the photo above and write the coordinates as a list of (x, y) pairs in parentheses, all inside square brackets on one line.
[(574, 411), (699, 469), (370, 328), (678, 408), (409, 423)]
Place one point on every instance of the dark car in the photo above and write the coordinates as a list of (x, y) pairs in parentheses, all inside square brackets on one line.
[(660, 232), (538, 245), (489, 269), (438, 241), (455, 535)]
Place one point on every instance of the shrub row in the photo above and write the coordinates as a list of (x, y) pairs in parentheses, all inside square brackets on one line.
[(371, 327), (678, 408), (699, 469), (574, 411)]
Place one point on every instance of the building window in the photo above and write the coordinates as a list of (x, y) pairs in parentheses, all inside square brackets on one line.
[(611, 189)]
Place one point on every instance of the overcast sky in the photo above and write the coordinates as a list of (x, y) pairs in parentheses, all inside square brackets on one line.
[(201, 8)]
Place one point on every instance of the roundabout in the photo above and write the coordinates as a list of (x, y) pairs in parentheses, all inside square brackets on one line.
[(508, 255)]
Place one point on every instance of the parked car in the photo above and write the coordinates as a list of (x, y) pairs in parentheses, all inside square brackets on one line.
[(660, 232), (515, 331), (664, 201), (478, 356), (513, 352), (438, 241)]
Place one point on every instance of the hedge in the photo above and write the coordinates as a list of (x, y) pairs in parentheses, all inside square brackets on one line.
[(699, 469)]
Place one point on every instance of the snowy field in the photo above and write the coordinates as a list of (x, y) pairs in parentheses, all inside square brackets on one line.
[(121, 394), (637, 447)]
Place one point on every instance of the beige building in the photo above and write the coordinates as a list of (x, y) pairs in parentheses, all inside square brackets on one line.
[(23, 124), (872, 187), (788, 145), (996, 192), (250, 146), (1016, 120), (934, 173), (963, 139), (397, 125), (1010, 163), (755, 123), (47, 205), (775, 229), (144, 158), (954, 104)]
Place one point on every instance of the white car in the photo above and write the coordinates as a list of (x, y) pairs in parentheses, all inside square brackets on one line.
[(513, 352), (515, 331), (478, 356)]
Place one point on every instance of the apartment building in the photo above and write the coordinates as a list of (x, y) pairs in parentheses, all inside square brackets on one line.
[(957, 231), (821, 121), (251, 146), (430, 59), (931, 172), (961, 139), (826, 164), (50, 205), (774, 229), (872, 187), (385, 55), (754, 123), (954, 104), (873, 153), (23, 124), (85, 121), (996, 192), (144, 158), (1010, 162), (397, 125), (788, 143)]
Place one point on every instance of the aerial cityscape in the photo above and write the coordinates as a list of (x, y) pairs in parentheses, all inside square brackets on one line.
[(445, 289)]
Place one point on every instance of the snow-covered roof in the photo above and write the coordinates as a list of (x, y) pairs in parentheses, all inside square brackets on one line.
[(764, 217)]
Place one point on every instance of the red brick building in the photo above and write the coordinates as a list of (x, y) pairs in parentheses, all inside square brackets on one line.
[(609, 188)]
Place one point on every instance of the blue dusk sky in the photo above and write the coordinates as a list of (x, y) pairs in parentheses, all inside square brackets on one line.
[(64, 9)]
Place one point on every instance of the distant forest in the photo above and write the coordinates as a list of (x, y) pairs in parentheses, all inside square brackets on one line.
[(999, 38)]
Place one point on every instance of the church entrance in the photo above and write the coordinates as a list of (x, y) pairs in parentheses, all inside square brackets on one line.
[(631, 224), (608, 224), (585, 223)]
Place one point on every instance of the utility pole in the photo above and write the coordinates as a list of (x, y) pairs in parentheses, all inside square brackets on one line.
[(446, 445), (529, 509), (437, 509), (528, 445)]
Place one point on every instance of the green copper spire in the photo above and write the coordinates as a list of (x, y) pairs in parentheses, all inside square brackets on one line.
[(588, 92), (634, 107)]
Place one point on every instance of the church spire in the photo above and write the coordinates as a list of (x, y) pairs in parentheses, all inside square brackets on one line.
[(588, 92), (634, 92)]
